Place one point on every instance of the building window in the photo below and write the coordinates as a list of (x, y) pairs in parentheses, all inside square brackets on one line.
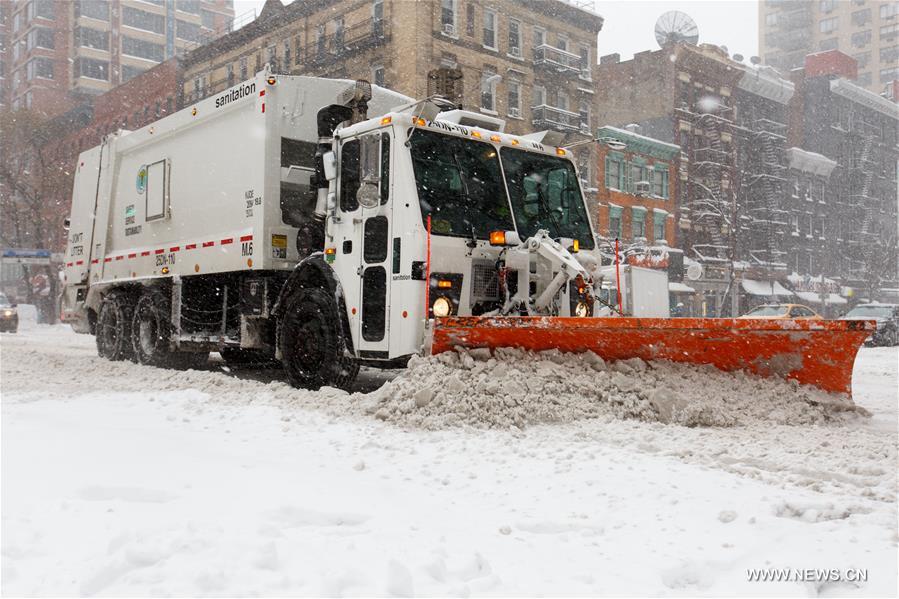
[(142, 49), (828, 44), (189, 6), (771, 19), (298, 50), (44, 9), (514, 88), (469, 20), (861, 17), (91, 38), (658, 226), (584, 51), (826, 5), (140, 19), (39, 67), (638, 222), (888, 10), (828, 25), (40, 37), (639, 174), (320, 40), (890, 54), (489, 79), (538, 96), (187, 31), (862, 59), (208, 19), (539, 37), (614, 170), (514, 38), (861, 38), (584, 114), (660, 181), (889, 32), (338, 33), (490, 29), (448, 17), (272, 58), (615, 222), (562, 43), (94, 9), (890, 74), (92, 69), (377, 74), (286, 55), (863, 79), (129, 72), (243, 68), (229, 70), (562, 100)]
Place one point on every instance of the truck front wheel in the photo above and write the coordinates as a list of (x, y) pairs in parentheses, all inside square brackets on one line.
[(113, 328), (313, 348)]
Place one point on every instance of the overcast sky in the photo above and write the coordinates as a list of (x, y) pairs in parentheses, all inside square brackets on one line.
[(629, 24)]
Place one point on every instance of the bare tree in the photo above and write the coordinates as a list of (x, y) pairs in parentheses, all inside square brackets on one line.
[(34, 194)]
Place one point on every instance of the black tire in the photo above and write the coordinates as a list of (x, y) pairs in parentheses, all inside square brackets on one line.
[(113, 329), (236, 357), (313, 348), (151, 334)]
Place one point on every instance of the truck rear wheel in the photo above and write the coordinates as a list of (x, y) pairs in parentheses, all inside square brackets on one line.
[(113, 328), (151, 333), (313, 348)]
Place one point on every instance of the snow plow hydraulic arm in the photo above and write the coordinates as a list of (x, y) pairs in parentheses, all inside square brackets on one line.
[(817, 353)]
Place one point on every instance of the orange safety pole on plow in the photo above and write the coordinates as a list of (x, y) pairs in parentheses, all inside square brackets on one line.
[(819, 353), (428, 274), (618, 278)]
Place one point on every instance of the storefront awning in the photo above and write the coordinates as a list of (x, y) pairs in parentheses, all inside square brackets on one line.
[(675, 287), (831, 299), (765, 288)]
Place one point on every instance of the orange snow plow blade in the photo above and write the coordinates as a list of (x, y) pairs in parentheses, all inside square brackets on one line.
[(819, 353)]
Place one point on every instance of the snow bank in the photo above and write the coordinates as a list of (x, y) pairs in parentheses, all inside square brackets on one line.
[(517, 388)]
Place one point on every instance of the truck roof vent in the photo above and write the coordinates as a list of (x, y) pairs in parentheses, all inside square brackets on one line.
[(472, 119)]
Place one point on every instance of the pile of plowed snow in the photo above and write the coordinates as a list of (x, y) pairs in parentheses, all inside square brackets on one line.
[(512, 387)]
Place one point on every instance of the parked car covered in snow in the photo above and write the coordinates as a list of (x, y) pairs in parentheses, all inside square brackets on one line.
[(9, 316), (782, 311), (887, 318)]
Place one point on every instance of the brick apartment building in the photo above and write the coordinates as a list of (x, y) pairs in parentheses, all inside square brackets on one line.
[(637, 189), (530, 62), (867, 30), (58, 54), (760, 188)]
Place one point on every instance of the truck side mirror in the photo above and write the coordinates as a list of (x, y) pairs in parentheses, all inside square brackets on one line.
[(330, 163)]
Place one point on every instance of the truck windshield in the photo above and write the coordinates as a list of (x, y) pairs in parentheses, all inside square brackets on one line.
[(545, 195), (459, 185)]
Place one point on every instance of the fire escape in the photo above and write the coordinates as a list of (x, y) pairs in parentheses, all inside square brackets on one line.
[(764, 181), (708, 208)]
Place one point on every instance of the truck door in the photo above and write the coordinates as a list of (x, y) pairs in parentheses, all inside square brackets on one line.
[(374, 239)]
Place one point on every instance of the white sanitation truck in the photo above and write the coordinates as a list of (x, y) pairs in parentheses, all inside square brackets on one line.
[(277, 221)]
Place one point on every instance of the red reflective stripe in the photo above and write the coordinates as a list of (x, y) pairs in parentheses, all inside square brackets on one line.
[(175, 249), (130, 256), (120, 257), (227, 241), (190, 246), (68, 264), (247, 238), (263, 107), (79, 263), (147, 253), (207, 244), (162, 251), (94, 261), (262, 93), (107, 259)]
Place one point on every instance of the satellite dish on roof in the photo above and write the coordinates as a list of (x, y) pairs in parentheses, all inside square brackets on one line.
[(675, 26), (694, 271)]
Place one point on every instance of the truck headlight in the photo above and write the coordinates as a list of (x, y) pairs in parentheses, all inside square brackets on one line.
[(7, 313), (581, 310), (442, 307)]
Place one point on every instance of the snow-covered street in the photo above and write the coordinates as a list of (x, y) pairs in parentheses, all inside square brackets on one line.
[(120, 479)]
